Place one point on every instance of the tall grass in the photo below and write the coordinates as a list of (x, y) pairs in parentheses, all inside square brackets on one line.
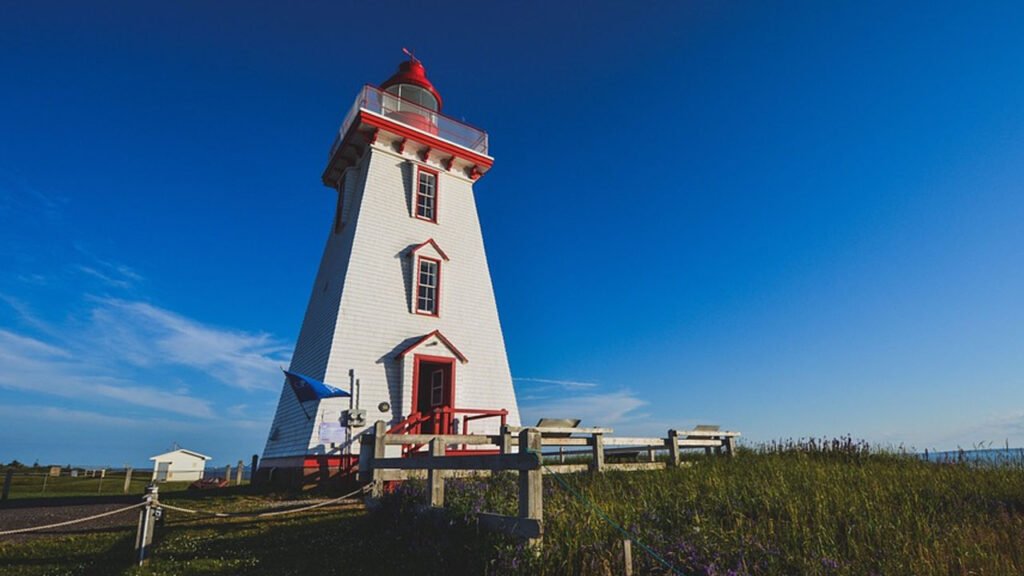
[(831, 508)]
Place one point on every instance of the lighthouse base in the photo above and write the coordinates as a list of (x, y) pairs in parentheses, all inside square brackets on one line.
[(307, 472)]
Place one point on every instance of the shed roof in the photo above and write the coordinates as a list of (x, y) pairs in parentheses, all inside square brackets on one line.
[(183, 451)]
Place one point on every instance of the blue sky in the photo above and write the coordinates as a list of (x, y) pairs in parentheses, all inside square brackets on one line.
[(791, 219)]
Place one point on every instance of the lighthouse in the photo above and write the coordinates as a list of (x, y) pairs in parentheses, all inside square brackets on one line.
[(402, 320)]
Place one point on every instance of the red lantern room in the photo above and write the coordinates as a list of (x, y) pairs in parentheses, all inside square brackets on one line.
[(410, 98), (410, 83)]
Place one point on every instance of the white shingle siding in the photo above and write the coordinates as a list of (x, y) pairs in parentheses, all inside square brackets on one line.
[(364, 317)]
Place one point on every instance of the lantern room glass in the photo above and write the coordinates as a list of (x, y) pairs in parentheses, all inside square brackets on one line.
[(411, 105), (414, 94)]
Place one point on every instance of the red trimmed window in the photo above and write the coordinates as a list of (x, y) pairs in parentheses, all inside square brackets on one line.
[(426, 194), (428, 286), (338, 222)]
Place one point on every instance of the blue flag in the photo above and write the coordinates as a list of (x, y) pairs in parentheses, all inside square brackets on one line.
[(306, 388)]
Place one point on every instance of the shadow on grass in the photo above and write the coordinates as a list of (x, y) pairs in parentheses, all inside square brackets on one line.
[(339, 542), (104, 552), (326, 543)]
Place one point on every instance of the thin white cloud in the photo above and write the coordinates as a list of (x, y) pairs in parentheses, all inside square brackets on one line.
[(115, 354), (33, 366), (147, 335), (567, 384), (68, 416), (106, 279), (597, 409), (995, 431)]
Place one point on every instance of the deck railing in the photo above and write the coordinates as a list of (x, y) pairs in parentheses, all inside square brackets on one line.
[(411, 114)]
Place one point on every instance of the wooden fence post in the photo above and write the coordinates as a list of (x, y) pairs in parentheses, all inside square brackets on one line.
[(627, 557), (672, 442), (730, 446), (127, 479), (531, 488), (378, 452), (253, 467), (238, 473), (506, 440), (435, 477), (7, 484), (597, 442), (227, 473)]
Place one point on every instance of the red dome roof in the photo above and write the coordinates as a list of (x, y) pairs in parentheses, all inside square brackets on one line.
[(412, 72)]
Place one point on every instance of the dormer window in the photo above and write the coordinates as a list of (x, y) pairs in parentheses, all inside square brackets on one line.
[(426, 194), (426, 259)]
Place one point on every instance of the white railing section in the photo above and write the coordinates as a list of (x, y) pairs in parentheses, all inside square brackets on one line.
[(413, 115)]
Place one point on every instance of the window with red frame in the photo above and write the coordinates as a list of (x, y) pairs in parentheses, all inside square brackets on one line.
[(426, 195), (428, 286)]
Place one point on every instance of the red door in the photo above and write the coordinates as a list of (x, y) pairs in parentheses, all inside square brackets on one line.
[(434, 390)]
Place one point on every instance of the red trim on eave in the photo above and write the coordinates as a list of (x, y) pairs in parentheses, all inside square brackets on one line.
[(377, 121), (441, 337), (416, 248)]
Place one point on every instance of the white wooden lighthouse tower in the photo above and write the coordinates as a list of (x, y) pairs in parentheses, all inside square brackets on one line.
[(403, 301)]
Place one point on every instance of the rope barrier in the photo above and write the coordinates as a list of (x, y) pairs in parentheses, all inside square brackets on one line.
[(262, 514), (70, 522), (614, 524)]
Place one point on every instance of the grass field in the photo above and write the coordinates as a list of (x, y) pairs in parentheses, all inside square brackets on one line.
[(796, 509), (36, 484)]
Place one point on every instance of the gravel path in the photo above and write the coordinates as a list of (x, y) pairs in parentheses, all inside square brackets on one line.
[(25, 516)]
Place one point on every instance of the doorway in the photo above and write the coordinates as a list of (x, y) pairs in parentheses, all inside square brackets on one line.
[(434, 388)]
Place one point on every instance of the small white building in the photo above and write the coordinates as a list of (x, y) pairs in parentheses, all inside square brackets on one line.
[(179, 466)]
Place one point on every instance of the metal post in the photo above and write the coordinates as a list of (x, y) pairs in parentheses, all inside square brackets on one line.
[(672, 443), (7, 484), (531, 489), (435, 478), (144, 535), (127, 479)]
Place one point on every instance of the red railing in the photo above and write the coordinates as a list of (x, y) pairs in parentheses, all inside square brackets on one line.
[(441, 421)]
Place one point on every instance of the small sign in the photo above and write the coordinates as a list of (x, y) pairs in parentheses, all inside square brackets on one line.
[(54, 470), (74, 473), (332, 432)]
